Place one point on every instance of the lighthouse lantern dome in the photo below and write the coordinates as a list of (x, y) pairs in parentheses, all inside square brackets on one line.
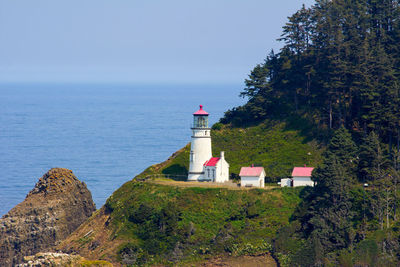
[(200, 118)]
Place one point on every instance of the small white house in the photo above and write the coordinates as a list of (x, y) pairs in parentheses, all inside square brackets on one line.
[(252, 176), (216, 169), (302, 176)]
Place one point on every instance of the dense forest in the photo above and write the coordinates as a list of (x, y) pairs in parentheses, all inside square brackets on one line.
[(339, 69), (340, 65)]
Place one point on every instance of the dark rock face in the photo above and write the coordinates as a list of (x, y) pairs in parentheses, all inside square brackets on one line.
[(54, 208)]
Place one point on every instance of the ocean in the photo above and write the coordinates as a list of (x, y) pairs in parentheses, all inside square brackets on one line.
[(105, 133)]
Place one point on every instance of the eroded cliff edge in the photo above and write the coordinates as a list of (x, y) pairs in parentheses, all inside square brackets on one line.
[(54, 208)]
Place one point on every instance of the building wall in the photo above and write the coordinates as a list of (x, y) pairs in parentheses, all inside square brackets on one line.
[(286, 182), (302, 181), (209, 173), (218, 173), (252, 180), (222, 174), (200, 152)]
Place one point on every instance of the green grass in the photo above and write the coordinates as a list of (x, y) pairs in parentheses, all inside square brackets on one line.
[(200, 221)]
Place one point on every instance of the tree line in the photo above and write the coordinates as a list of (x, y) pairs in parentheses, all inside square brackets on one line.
[(340, 65)]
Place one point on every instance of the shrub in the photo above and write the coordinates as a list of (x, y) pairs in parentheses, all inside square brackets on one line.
[(367, 253), (132, 254), (217, 126), (248, 248), (142, 214)]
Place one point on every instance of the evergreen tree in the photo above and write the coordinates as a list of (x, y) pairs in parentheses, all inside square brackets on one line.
[(344, 149), (257, 83), (329, 212), (372, 159)]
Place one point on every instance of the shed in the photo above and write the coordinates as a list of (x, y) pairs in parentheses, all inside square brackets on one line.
[(302, 176), (252, 176), (286, 182)]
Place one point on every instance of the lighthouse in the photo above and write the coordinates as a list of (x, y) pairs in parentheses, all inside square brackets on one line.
[(200, 150)]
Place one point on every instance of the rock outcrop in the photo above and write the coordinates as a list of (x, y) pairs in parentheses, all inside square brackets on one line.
[(54, 208), (51, 259), (57, 259)]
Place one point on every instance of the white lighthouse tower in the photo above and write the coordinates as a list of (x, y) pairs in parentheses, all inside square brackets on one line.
[(200, 150)]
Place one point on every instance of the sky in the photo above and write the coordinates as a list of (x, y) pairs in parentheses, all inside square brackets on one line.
[(132, 41)]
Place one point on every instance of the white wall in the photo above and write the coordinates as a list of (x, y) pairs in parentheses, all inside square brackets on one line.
[(251, 180), (209, 173), (262, 177), (222, 174), (302, 181), (286, 182)]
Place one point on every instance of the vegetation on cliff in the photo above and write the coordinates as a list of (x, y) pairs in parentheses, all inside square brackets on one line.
[(155, 223)]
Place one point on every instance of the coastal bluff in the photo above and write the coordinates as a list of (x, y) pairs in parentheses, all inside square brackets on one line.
[(54, 208)]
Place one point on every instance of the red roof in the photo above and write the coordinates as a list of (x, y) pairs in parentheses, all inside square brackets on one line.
[(302, 171), (201, 111), (211, 162), (251, 171)]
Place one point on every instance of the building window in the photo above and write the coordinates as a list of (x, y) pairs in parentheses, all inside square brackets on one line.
[(213, 173), (208, 173)]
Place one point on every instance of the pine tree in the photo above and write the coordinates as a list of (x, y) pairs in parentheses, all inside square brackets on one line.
[(344, 149), (257, 83), (329, 212), (372, 160)]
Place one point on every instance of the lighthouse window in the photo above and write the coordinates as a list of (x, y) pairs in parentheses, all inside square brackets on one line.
[(201, 122), (191, 156)]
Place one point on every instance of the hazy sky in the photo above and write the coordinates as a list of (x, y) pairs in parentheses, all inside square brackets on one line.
[(147, 41)]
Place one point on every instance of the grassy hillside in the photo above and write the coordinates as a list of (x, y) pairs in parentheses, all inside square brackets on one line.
[(144, 222), (148, 223), (271, 144)]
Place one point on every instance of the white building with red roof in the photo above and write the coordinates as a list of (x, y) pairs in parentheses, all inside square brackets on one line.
[(202, 166), (301, 176), (216, 169), (252, 176)]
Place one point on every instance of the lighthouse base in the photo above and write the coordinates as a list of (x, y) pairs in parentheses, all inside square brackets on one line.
[(195, 176)]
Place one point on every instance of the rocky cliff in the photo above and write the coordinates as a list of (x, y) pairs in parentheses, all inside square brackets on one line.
[(54, 208)]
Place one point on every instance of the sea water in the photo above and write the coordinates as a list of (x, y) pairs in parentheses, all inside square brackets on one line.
[(106, 134)]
